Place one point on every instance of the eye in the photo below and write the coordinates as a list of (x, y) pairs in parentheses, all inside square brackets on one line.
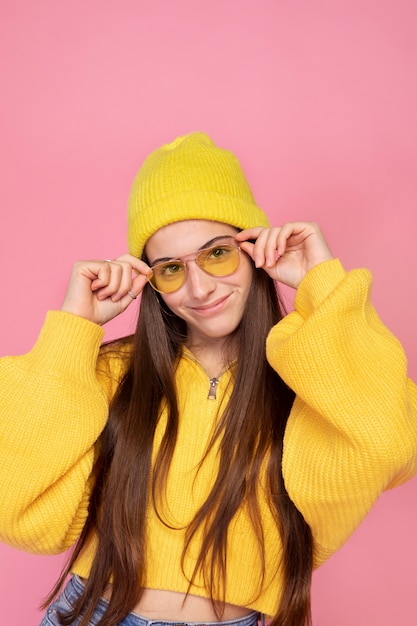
[(170, 268), (218, 252)]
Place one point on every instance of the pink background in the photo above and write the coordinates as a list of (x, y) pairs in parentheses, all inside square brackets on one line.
[(319, 101)]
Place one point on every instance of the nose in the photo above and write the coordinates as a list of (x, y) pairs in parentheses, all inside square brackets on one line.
[(199, 283)]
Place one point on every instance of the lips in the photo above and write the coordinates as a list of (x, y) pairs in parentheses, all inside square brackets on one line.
[(210, 308)]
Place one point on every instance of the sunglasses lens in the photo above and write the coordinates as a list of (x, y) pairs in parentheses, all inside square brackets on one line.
[(167, 277), (220, 260), (217, 261)]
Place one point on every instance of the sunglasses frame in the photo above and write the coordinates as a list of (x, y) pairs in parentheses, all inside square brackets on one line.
[(184, 262)]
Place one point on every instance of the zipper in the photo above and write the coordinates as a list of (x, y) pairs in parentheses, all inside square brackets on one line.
[(213, 381), (212, 389)]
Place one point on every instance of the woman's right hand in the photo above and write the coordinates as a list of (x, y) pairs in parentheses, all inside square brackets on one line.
[(101, 290)]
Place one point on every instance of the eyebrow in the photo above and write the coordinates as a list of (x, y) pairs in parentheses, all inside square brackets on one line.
[(208, 244)]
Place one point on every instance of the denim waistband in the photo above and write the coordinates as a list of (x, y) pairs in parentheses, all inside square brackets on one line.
[(75, 587)]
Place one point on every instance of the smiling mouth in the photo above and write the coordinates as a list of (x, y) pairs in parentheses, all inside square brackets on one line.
[(212, 307)]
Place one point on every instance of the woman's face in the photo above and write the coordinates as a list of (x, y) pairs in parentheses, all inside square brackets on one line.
[(211, 306)]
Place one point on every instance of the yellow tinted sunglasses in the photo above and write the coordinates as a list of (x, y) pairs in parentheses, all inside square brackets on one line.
[(218, 260)]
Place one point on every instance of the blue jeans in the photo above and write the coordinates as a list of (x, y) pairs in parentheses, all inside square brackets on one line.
[(75, 587)]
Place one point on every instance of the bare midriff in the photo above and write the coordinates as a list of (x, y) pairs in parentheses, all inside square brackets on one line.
[(159, 604)]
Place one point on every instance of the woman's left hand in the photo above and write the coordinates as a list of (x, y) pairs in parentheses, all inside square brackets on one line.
[(285, 252)]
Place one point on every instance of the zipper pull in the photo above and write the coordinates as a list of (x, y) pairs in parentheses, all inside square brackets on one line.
[(212, 391)]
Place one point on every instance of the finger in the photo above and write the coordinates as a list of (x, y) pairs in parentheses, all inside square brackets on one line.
[(133, 279), (136, 288), (124, 282), (108, 280), (249, 233), (264, 250), (134, 292), (115, 277), (139, 266), (248, 239), (287, 230), (270, 245), (249, 248)]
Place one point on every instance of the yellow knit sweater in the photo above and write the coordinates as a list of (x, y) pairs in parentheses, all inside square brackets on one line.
[(351, 434)]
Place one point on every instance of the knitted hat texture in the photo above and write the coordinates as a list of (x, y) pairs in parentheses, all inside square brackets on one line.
[(190, 178)]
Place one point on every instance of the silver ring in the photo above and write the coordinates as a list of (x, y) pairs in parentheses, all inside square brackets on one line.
[(132, 295), (108, 260)]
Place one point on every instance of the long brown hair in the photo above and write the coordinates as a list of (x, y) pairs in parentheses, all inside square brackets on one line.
[(250, 430)]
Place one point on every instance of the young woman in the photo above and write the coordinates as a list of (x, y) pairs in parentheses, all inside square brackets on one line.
[(204, 466)]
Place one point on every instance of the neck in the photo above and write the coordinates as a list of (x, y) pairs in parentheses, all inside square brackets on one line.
[(214, 355)]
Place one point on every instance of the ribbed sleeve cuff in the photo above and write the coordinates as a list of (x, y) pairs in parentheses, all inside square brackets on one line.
[(67, 346), (317, 285)]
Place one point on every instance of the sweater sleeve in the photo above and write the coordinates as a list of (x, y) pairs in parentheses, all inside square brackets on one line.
[(352, 432), (52, 410)]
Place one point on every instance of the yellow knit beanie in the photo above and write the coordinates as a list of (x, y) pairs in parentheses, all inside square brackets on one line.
[(190, 178)]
